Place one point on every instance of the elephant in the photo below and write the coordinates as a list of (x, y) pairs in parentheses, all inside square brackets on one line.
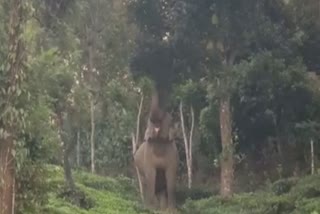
[(157, 163), (156, 160)]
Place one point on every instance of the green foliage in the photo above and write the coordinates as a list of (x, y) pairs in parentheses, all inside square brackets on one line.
[(191, 93), (37, 145), (265, 103), (297, 200), (210, 131), (76, 197), (122, 186), (282, 186), (119, 195), (108, 195), (183, 194), (177, 41), (47, 83), (32, 187)]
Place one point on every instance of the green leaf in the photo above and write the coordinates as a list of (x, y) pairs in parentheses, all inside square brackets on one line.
[(214, 19)]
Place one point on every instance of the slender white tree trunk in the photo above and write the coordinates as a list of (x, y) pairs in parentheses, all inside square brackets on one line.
[(92, 135), (188, 142), (135, 142), (91, 96), (135, 139), (190, 148), (78, 148)]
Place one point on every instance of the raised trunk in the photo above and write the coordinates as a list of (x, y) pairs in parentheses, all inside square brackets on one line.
[(227, 148), (92, 135)]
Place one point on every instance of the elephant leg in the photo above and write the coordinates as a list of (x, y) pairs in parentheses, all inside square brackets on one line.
[(163, 200), (171, 183), (150, 184)]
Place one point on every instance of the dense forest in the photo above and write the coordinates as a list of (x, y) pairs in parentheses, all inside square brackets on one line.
[(81, 81)]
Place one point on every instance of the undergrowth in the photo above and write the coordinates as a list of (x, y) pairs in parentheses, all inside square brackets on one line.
[(291, 196), (104, 195)]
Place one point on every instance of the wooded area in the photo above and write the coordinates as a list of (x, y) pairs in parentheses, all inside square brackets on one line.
[(230, 87)]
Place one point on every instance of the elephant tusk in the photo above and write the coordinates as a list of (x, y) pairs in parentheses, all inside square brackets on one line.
[(157, 130)]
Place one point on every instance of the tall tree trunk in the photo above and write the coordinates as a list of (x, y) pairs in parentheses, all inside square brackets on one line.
[(196, 155), (227, 148), (68, 146), (190, 148), (136, 139), (312, 156), (78, 148), (91, 96), (92, 135), (14, 63), (188, 142), (7, 171)]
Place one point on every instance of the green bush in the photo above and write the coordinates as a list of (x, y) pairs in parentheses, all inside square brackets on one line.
[(123, 186), (77, 198), (32, 188), (94, 195), (184, 193), (283, 186), (119, 195), (290, 196)]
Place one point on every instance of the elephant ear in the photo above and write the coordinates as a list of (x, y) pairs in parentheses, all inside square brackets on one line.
[(172, 133)]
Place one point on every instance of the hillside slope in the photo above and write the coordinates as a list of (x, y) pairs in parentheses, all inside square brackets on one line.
[(104, 195)]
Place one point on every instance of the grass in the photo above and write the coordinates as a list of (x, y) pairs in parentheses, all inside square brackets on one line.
[(301, 196), (105, 195), (101, 195)]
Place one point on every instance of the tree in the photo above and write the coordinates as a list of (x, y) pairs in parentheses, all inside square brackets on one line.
[(11, 114), (136, 142), (104, 46), (229, 32), (207, 39), (305, 16), (188, 143), (265, 107), (189, 99)]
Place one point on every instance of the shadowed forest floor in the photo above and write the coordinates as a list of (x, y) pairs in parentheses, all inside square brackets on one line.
[(95, 195)]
